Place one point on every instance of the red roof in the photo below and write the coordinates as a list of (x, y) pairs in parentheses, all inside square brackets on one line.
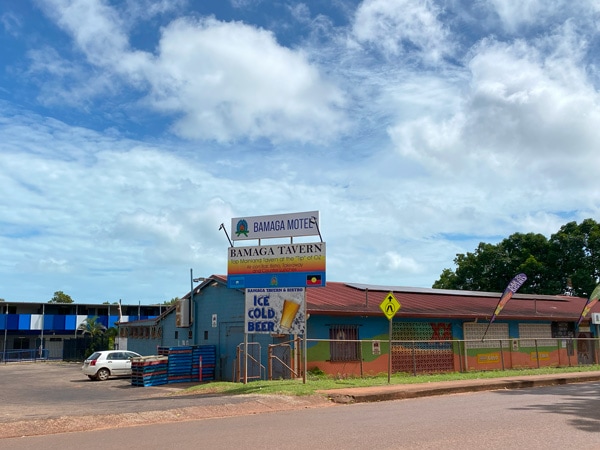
[(352, 299)]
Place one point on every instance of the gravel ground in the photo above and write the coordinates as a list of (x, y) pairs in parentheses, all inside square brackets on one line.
[(47, 398)]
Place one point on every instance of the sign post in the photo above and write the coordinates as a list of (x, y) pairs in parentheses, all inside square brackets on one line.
[(390, 306), (282, 265), (274, 277)]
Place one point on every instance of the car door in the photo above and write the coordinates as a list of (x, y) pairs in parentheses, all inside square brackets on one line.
[(128, 361), (118, 363)]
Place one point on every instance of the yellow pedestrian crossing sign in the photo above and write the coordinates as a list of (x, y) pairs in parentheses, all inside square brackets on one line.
[(390, 306)]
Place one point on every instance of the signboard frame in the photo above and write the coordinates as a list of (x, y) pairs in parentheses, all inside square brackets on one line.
[(275, 226), (280, 265), (275, 310), (272, 270)]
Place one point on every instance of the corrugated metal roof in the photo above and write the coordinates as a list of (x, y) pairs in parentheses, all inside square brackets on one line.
[(361, 299), (337, 298)]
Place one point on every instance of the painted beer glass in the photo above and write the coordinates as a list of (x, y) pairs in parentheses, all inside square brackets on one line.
[(288, 313)]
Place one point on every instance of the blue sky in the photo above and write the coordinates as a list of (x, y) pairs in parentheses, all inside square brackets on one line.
[(130, 130)]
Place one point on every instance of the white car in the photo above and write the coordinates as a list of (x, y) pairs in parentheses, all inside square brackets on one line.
[(102, 365)]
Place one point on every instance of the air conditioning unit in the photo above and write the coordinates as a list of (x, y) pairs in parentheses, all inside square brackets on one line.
[(596, 318)]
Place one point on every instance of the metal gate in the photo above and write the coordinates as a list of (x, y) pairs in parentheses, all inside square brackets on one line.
[(282, 364), (251, 361), (419, 347)]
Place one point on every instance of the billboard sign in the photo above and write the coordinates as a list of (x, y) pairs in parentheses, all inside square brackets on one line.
[(275, 226), (275, 310), (283, 265)]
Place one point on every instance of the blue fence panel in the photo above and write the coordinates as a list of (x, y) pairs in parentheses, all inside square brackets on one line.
[(13, 322), (49, 322), (70, 322), (24, 321), (101, 319)]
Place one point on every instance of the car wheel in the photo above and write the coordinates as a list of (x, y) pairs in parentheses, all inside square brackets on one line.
[(103, 374)]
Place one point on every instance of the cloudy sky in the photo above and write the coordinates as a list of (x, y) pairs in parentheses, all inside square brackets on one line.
[(130, 130)]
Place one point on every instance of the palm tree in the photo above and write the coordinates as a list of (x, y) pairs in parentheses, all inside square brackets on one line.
[(96, 331), (92, 327)]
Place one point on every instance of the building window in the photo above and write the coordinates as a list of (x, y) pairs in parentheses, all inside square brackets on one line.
[(343, 344), (496, 333), (532, 334), (21, 343)]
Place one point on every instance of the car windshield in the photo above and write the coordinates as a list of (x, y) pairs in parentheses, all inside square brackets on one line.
[(93, 356)]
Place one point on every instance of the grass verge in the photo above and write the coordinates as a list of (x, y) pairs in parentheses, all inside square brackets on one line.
[(316, 382)]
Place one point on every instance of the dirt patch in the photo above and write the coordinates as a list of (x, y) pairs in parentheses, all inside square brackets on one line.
[(250, 404)]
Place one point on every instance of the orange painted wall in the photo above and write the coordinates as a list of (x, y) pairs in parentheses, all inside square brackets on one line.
[(484, 359), (352, 368)]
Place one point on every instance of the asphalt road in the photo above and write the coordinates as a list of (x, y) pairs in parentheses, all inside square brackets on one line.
[(53, 405), (547, 418)]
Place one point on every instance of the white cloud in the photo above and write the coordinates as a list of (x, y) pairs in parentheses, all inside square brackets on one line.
[(515, 14), (525, 112), (11, 23), (392, 262), (223, 81), (411, 150), (402, 27), (541, 13), (300, 12), (96, 28), (233, 81), (149, 9), (533, 111)]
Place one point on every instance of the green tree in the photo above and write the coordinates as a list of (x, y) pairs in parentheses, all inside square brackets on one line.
[(92, 327), (568, 262), (96, 331), (171, 302), (61, 297), (111, 334), (575, 252)]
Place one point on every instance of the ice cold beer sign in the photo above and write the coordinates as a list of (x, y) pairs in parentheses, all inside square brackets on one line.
[(275, 311)]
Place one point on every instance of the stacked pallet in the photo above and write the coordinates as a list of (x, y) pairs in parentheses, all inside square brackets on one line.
[(175, 365), (205, 355), (149, 370), (180, 363)]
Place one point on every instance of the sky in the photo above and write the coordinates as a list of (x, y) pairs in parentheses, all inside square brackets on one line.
[(131, 130)]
